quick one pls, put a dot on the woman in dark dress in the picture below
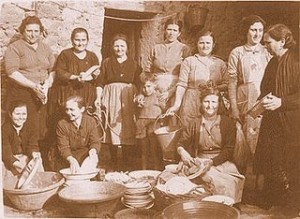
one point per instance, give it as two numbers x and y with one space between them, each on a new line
278 149
19 139
74 69
116 88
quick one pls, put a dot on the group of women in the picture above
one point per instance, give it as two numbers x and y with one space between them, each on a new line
189 85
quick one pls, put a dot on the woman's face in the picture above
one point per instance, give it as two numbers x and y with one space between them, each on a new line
205 45
172 33
73 111
274 47
80 41
120 48
32 33
210 105
19 116
255 33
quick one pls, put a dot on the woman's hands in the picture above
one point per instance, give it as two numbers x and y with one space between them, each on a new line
272 102
74 165
185 156
207 165
172 110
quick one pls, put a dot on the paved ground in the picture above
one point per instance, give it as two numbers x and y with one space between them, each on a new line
56 208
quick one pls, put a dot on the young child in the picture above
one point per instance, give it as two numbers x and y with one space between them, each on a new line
148 110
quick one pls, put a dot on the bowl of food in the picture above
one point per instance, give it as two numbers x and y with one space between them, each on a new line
42 187
117 177
81 176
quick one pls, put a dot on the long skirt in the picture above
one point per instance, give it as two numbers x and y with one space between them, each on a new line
120 113
190 106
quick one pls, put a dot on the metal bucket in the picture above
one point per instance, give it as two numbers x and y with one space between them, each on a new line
167 137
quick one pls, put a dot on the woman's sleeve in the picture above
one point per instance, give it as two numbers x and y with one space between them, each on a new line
95 60
7 153
101 80
51 59
63 142
62 67
223 86
12 60
228 133
292 101
33 138
94 138
187 138
185 70
233 78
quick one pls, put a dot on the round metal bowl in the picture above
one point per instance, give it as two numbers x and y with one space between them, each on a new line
135 213
42 186
92 192
78 176
200 210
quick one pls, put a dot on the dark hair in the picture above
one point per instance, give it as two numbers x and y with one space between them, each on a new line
279 32
208 89
144 77
78 99
79 30
248 21
11 107
207 33
174 21
120 36
30 20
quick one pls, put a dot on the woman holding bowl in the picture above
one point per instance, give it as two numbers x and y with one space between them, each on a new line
76 70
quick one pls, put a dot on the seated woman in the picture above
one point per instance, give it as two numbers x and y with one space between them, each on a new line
211 138
77 136
19 140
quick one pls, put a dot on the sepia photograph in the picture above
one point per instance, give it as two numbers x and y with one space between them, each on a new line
140 109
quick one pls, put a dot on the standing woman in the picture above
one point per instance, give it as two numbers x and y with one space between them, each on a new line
278 149
72 68
246 65
116 88
28 64
165 60
195 71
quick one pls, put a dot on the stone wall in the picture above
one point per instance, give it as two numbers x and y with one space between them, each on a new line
223 19
61 17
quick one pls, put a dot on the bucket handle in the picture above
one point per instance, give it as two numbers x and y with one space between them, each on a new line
163 116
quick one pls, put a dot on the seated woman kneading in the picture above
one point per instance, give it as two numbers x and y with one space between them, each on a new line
212 138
